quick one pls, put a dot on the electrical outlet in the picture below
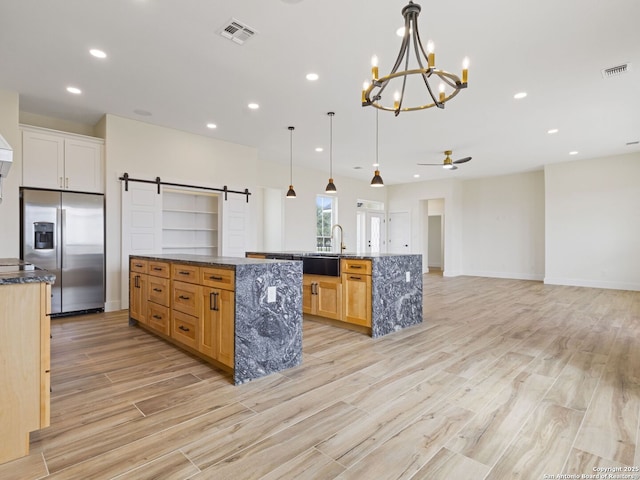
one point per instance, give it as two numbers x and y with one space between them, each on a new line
271 294
408 276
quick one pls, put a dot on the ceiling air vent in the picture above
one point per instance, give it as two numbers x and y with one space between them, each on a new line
237 31
615 71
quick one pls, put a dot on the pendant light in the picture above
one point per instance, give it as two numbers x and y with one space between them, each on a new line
291 193
376 181
331 188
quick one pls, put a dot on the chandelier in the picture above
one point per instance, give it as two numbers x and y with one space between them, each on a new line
449 86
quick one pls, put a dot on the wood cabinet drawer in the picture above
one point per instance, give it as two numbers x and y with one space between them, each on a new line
184 328
186 298
158 317
138 266
218 278
159 290
159 269
185 273
352 265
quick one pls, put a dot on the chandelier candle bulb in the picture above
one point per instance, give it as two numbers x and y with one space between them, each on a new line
431 54
465 69
374 67
365 86
396 100
442 92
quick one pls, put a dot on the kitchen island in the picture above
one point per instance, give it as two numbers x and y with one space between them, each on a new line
376 294
25 305
243 315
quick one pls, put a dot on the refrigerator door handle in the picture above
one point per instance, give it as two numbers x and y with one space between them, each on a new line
60 220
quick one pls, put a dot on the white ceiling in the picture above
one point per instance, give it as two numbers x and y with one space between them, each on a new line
166 57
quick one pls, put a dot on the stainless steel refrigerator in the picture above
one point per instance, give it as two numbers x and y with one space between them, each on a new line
63 232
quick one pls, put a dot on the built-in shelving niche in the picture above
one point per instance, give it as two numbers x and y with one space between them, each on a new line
190 222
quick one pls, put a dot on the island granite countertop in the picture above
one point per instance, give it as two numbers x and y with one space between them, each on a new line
15 271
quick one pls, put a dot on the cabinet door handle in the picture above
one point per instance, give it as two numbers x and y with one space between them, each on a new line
60 183
157 317
213 277
314 288
136 281
184 273
157 290
182 297
183 328
213 301
355 278
66 182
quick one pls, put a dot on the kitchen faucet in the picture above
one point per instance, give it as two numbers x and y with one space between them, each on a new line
342 245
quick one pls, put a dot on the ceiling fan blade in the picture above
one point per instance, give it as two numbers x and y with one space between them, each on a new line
431 164
453 167
462 160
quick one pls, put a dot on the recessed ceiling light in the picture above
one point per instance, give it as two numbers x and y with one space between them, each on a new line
520 95
574 152
357 168
552 131
97 53
417 175
375 164
312 77
211 125
142 113
636 142
253 106
319 149
74 90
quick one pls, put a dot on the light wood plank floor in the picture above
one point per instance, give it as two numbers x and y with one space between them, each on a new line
504 379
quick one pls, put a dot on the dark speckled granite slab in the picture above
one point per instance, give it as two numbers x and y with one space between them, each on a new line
15 271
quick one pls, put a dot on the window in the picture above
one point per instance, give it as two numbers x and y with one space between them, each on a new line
326 216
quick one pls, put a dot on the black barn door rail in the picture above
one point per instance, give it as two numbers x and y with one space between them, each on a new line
126 178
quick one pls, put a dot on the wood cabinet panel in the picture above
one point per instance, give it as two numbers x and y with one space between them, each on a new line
186 298
159 269
217 327
158 317
322 295
218 278
158 290
138 266
355 265
185 273
184 328
138 296
357 299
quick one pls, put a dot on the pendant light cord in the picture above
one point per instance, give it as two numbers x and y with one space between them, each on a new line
331 114
377 161
291 155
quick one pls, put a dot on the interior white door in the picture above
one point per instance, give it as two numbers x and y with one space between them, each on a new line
375 232
141 227
235 225
399 228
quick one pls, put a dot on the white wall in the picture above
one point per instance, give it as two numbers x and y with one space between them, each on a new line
10 206
409 197
503 226
593 223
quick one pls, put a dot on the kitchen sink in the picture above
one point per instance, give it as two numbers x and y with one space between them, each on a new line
321 265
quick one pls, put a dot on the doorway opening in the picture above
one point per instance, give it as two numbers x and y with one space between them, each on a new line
370 227
432 219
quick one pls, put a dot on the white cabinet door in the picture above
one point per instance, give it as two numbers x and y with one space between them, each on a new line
82 165
59 161
42 160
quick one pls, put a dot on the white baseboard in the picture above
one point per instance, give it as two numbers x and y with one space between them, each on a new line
577 282
512 275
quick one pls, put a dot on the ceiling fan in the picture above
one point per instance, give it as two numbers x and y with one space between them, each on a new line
447 162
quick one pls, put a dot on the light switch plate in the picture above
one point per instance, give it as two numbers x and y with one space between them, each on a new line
271 294
408 276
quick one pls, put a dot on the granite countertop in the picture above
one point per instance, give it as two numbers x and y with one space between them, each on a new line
224 262
297 255
14 270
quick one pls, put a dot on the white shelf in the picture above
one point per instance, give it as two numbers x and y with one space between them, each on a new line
190 221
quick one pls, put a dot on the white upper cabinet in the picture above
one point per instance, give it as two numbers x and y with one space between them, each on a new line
61 161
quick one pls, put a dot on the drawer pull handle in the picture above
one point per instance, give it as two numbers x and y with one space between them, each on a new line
139 265
355 278
157 290
182 297
184 273
355 266
159 269
157 317
183 328
213 277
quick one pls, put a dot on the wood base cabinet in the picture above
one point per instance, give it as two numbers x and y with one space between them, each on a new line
25 376
356 288
217 325
322 296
